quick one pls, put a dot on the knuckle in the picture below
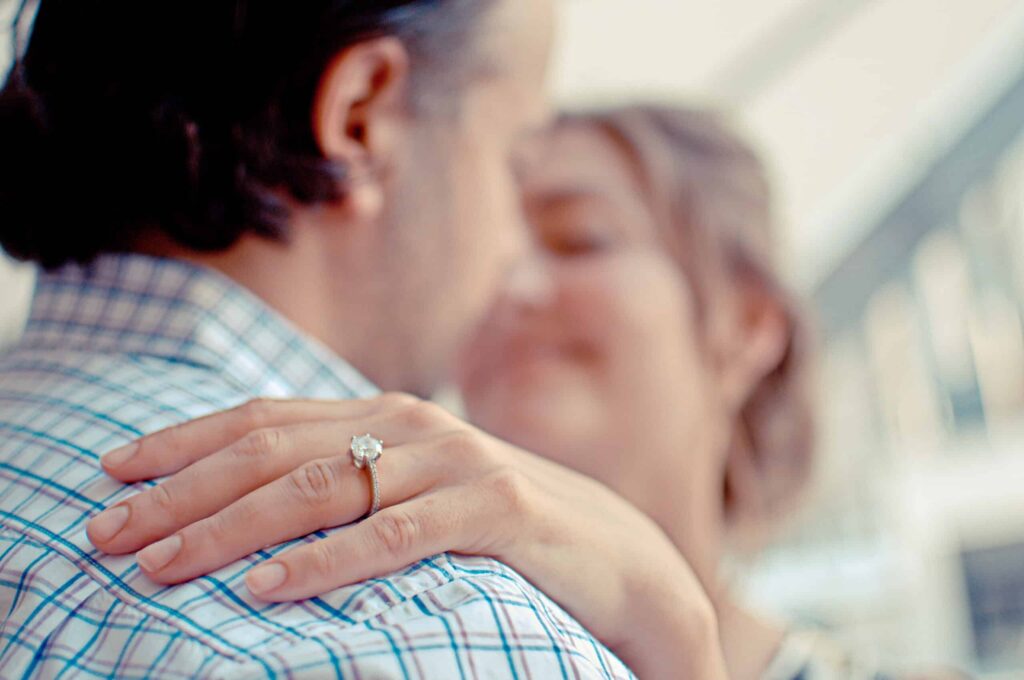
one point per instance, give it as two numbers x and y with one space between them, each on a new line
512 489
165 502
316 482
464 446
174 437
256 413
260 443
216 528
397 400
421 415
322 560
394 532
424 415
434 412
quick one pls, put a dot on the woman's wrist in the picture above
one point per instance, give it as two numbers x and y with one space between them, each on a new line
685 646
672 634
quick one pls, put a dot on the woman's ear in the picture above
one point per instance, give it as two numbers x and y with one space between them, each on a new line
359 117
758 340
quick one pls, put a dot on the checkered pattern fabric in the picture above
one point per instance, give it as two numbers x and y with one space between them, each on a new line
130 345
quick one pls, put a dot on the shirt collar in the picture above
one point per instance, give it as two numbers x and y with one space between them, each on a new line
167 308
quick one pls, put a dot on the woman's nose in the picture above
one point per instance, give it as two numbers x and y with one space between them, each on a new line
530 284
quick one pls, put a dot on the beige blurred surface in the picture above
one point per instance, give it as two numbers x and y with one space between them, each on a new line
838 93
852 102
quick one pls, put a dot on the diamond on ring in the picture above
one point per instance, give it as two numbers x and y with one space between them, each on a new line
366 449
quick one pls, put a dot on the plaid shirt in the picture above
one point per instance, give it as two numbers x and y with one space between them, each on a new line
133 344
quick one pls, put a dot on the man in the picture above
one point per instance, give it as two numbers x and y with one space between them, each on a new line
255 189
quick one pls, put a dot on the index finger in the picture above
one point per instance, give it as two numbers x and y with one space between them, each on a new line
172 449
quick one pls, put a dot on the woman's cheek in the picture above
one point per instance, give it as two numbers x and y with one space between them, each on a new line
648 373
627 298
636 313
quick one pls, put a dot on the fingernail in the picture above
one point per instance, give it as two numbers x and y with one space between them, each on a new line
109 523
265 578
120 456
159 555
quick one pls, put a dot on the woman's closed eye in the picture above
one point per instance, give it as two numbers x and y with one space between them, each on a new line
576 223
579 241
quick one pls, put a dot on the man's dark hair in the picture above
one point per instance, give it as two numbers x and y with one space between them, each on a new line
188 119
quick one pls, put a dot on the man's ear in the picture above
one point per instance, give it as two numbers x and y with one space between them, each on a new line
761 334
358 117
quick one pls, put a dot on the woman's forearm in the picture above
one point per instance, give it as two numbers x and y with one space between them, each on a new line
670 636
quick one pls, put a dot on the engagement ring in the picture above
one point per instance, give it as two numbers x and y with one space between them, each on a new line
366 451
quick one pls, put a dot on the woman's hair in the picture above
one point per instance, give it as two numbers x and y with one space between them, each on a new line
190 119
709 192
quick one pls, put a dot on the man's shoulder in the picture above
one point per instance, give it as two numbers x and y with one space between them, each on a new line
449 616
116 393
446 617
60 411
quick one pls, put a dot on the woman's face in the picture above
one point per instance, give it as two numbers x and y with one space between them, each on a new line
597 362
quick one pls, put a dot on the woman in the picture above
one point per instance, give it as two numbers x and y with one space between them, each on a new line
665 310
653 352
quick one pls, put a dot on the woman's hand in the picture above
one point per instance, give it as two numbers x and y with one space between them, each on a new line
272 471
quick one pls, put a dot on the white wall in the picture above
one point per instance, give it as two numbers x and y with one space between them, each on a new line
840 122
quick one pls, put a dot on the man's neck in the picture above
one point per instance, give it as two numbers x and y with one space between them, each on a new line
303 281
289 278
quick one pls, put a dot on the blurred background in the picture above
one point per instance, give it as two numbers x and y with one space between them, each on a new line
895 132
